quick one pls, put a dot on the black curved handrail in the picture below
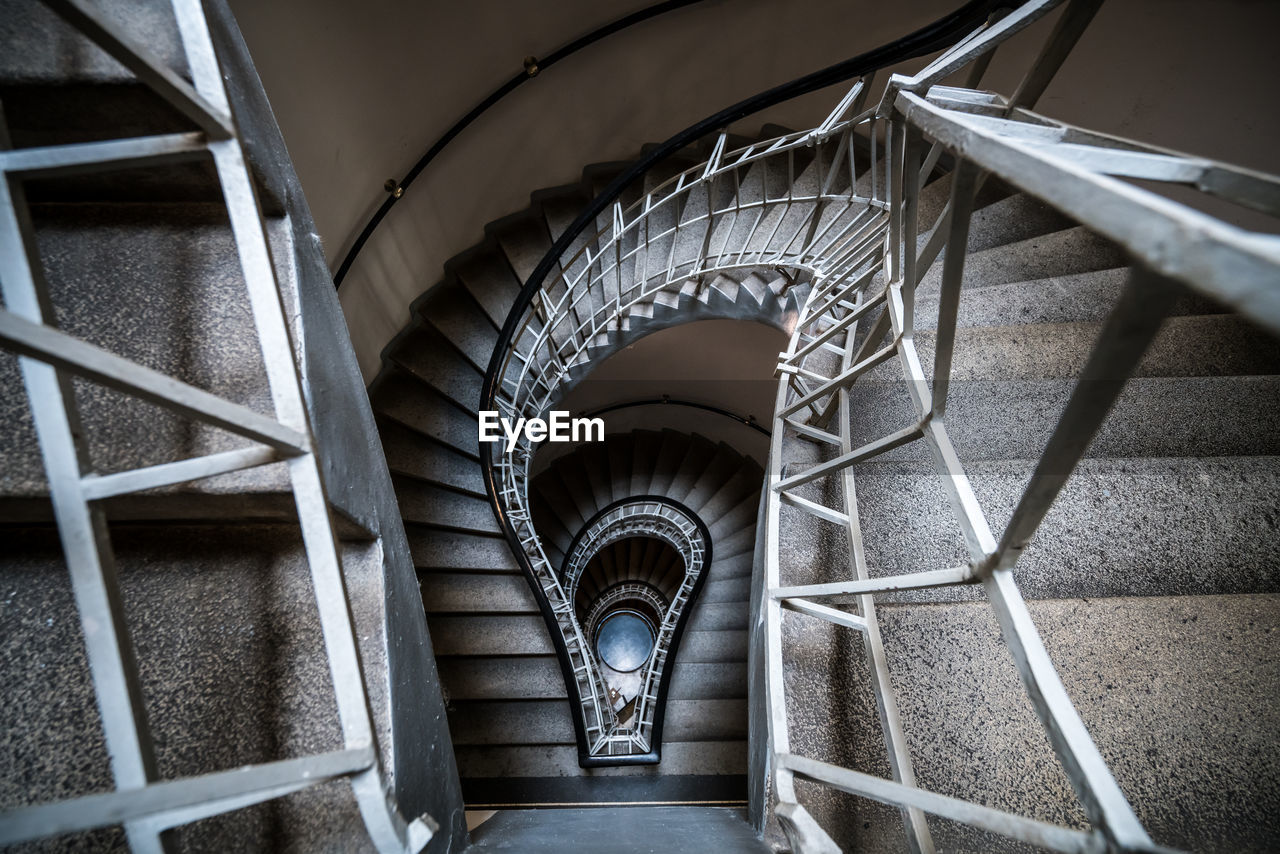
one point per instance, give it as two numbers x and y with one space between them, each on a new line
936 36
941 33
479 109
745 420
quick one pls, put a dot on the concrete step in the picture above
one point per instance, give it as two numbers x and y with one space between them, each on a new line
492 283
455 314
1087 296
728 504
533 677
708 680
725 589
411 454
548 760
160 285
1147 526
428 355
718 616
718 471
680 830
524 240
435 549
402 397
425 504
1181 682
573 476
1190 346
538 677
700 647
1059 253
620 454
648 444
1153 417
674 447
1013 219
549 722
490 635
698 452
731 567
446 592
742 515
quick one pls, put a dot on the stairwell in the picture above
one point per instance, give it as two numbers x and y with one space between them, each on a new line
1152 581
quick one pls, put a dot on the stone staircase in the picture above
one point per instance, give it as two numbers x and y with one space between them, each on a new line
1153 580
508 711
508 708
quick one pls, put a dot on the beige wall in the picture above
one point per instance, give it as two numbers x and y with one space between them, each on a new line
361 89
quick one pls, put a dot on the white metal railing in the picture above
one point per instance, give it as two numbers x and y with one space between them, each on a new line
146 805
698 223
627 591
865 250
645 517
1172 247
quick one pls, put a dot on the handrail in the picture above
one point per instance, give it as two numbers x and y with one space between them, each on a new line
744 420
941 34
532 69
925 40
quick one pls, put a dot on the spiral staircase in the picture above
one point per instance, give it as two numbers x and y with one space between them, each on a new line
835 636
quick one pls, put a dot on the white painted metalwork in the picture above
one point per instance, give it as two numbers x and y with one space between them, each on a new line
644 517
865 252
667 243
1078 173
146 805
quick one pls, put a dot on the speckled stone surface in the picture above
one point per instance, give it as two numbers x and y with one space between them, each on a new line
1146 526
160 285
1077 297
232 665
1072 250
1186 346
1153 579
1176 692
1153 417
41 47
400 396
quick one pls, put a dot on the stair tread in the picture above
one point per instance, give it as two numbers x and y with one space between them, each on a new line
1152 417
680 830
549 760
435 549
543 721
1144 526
1195 345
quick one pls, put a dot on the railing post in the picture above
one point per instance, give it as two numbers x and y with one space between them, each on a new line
894 132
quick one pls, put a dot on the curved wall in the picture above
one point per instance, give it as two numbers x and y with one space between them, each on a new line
360 90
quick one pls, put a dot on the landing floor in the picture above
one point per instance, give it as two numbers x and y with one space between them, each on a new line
618 830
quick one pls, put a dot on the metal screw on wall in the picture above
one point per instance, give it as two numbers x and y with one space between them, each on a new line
531 66
392 186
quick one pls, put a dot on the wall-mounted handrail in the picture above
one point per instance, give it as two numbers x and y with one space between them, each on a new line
745 420
530 71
